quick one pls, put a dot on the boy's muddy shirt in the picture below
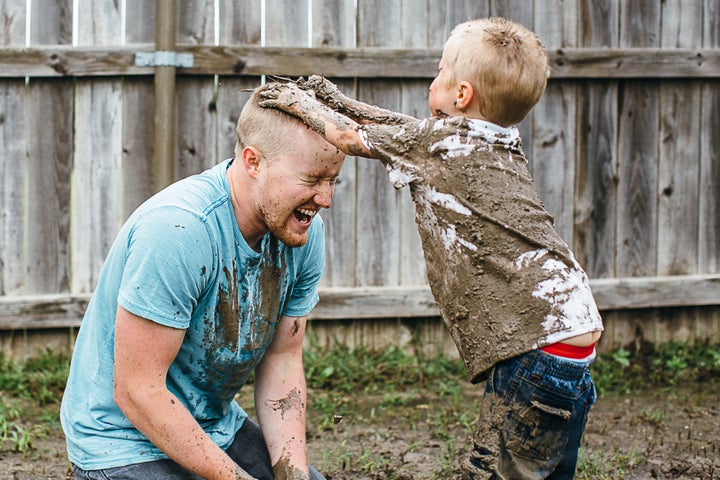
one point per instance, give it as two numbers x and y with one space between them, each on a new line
503 279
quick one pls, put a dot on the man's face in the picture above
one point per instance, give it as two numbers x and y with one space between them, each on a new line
295 185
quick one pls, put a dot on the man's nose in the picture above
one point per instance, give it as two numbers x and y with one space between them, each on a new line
324 193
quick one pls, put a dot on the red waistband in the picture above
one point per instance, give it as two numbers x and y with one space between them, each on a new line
568 351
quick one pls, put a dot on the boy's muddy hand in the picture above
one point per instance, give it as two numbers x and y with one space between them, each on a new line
288 97
323 88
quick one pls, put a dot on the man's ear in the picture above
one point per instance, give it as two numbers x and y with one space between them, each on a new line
465 95
250 157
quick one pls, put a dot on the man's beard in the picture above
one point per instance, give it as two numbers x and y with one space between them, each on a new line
278 226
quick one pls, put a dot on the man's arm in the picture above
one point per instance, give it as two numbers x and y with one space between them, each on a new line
280 400
144 351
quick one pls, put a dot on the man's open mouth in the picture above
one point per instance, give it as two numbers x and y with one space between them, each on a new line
304 215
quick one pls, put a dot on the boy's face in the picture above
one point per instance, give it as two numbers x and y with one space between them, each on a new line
443 95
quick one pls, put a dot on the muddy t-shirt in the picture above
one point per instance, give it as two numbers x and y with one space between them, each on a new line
503 279
181 261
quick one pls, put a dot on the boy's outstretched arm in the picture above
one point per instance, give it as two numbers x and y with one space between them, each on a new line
335 127
361 112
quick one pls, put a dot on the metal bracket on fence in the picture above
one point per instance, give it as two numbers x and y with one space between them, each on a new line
164 58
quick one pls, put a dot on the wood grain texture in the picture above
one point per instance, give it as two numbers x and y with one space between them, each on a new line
709 203
596 176
638 136
624 145
63 310
679 153
365 62
49 168
14 132
551 150
138 98
97 151
196 142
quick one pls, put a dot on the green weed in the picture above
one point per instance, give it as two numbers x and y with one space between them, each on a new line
30 391
41 379
603 466
660 366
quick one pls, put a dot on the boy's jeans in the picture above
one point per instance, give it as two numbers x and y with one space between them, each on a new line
532 419
247 450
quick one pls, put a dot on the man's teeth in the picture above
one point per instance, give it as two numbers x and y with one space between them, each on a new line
309 213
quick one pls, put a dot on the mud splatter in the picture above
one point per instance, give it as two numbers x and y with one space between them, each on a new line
293 401
269 288
229 308
284 471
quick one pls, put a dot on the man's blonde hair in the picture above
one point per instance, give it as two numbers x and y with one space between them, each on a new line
270 130
505 62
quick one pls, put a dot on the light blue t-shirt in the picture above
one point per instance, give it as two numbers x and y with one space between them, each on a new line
181 261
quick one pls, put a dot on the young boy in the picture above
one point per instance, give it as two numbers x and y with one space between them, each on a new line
509 289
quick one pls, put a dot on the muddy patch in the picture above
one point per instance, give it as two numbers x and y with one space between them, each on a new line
653 434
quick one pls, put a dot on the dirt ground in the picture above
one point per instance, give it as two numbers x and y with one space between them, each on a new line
652 435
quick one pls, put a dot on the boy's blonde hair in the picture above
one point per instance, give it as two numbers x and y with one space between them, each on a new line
270 130
505 62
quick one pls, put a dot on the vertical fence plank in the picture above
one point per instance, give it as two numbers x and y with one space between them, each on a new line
138 106
239 25
334 26
595 194
49 161
14 128
458 11
286 23
197 132
679 147
240 22
679 164
552 152
709 221
636 242
377 244
97 155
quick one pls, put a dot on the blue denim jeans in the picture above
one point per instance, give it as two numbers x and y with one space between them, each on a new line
247 450
532 419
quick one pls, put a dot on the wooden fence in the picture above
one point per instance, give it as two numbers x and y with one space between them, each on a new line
624 146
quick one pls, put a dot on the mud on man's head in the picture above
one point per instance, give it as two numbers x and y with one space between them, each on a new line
269 129
506 64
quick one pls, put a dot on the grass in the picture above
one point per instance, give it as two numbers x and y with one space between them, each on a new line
664 366
394 387
30 393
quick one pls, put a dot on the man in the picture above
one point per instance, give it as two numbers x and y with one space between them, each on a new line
209 280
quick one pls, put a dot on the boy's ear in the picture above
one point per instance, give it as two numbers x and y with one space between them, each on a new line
250 157
465 95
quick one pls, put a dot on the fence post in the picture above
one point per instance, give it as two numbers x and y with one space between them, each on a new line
164 136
